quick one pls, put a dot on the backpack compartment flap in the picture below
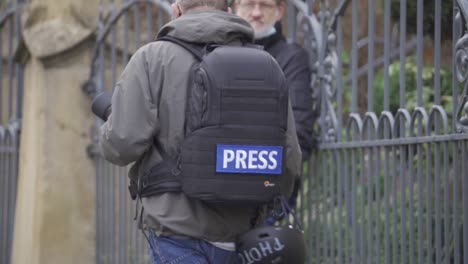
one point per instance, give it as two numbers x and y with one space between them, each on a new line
234 154
244 85
202 164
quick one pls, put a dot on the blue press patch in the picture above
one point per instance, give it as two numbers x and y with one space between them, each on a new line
249 159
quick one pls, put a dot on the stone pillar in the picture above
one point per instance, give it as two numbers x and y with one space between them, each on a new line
55 211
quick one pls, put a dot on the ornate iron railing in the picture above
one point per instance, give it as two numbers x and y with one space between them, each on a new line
387 184
121 30
11 96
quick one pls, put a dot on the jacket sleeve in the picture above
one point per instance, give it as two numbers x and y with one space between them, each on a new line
297 75
133 122
293 155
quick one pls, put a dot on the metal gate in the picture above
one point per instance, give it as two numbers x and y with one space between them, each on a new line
388 183
124 26
11 95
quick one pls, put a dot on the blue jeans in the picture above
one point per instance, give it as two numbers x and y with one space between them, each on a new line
170 250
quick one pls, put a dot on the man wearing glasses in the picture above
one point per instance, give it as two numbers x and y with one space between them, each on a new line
264 16
293 59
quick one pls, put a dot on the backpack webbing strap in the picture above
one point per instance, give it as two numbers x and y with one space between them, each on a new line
161 178
196 50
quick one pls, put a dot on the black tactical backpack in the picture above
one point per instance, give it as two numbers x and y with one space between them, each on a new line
236 122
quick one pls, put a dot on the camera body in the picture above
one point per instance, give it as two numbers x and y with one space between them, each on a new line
101 105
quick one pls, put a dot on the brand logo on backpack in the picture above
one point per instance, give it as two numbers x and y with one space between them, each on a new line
249 159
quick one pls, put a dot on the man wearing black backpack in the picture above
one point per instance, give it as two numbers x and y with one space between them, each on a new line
151 125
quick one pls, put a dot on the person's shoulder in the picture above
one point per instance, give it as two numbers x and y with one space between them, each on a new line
143 50
153 46
295 47
157 48
290 49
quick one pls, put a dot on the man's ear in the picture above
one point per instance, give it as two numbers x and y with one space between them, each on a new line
176 11
281 10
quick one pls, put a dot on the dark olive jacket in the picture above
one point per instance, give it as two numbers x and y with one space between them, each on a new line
149 103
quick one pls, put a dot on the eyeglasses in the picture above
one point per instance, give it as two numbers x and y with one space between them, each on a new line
250 5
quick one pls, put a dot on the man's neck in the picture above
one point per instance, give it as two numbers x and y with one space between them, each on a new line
268 42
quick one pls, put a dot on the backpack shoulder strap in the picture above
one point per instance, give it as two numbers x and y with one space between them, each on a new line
195 49
253 46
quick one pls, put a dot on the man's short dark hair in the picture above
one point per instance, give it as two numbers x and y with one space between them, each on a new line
186 5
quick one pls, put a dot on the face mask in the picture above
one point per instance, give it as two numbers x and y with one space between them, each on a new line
265 33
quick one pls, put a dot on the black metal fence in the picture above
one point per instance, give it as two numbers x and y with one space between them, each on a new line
11 94
389 182
123 27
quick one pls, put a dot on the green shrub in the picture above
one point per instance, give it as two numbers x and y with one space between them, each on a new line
411 93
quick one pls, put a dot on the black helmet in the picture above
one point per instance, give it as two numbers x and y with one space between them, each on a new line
272 245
